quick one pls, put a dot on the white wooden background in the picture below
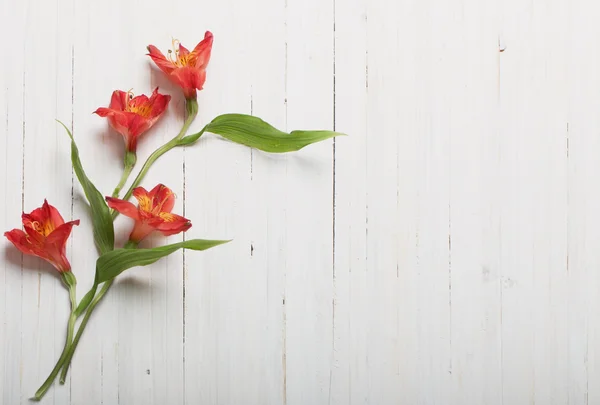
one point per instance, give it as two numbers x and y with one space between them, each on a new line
446 252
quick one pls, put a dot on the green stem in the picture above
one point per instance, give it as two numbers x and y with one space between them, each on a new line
71 283
191 107
129 161
129 245
88 313
85 301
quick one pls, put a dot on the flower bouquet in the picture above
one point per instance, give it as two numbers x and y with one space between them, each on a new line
45 232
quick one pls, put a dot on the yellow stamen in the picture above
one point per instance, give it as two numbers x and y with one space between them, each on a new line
167 216
174 57
143 110
45 229
168 194
145 203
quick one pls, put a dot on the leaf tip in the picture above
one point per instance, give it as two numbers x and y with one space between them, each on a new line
65 127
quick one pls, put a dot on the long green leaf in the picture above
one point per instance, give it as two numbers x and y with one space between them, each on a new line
113 263
256 133
104 233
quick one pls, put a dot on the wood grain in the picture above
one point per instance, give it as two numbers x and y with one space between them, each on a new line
445 252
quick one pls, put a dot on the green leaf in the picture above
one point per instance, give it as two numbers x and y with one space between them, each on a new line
188 140
104 233
111 264
256 133
85 301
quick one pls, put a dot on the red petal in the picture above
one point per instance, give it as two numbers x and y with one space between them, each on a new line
137 126
202 51
183 51
164 197
118 100
59 236
35 238
37 215
140 192
19 238
118 120
140 231
159 188
159 103
56 255
64 263
157 56
171 224
103 111
189 78
53 214
189 93
140 100
56 245
124 207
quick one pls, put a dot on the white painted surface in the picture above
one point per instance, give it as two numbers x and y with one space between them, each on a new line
446 252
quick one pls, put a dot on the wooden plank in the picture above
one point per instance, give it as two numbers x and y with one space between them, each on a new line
533 118
217 173
471 94
309 206
12 27
445 252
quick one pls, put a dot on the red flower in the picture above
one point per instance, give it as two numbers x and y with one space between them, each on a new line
45 236
152 213
184 68
132 116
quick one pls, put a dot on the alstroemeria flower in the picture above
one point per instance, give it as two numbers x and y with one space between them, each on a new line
184 68
132 116
152 213
45 236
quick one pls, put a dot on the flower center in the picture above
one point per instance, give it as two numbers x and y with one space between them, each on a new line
45 228
160 204
167 216
153 206
174 55
145 203
140 109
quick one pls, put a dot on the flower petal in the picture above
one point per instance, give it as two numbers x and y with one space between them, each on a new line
157 56
159 103
137 126
118 120
37 215
138 101
144 199
19 238
53 214
183 51
163 197
124 207
118 100
60 235
202 51
171 224
22 242
103 111
35 237
140 231
189 78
